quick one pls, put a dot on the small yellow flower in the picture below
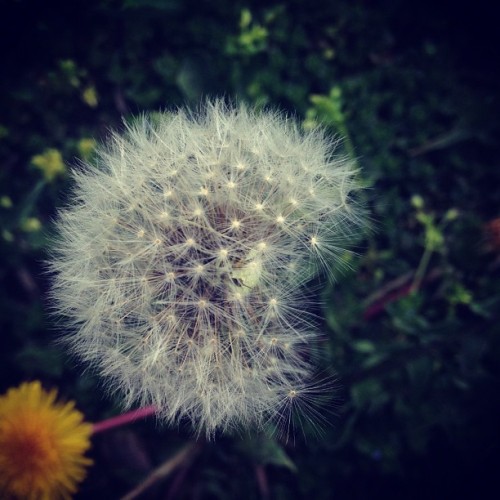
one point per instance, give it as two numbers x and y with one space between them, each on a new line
86 147
89 95
5 202
42 443
31 225
50 163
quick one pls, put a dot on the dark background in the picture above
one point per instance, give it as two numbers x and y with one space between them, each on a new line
411 330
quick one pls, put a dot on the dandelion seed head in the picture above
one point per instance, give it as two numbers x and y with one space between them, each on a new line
182 256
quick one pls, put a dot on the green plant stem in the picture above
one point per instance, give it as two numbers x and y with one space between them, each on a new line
422 268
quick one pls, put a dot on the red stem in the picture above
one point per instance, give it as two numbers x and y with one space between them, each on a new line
379 306
123 419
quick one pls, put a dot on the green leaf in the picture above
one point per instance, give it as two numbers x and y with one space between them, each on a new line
368 394
267 451
364 346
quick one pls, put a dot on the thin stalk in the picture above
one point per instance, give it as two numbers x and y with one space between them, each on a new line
125 418
183 456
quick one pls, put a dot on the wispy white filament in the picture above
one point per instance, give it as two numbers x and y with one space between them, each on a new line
182 257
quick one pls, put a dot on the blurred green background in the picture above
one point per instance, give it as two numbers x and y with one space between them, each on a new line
411 329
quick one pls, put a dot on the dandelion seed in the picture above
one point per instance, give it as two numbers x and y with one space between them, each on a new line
235 224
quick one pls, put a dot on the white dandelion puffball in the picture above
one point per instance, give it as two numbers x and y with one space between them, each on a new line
182 258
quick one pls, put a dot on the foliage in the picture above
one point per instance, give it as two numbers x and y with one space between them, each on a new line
411 330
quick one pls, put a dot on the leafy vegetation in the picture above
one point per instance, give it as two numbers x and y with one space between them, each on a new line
411 329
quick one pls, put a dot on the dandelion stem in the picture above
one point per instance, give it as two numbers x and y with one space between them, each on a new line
125 418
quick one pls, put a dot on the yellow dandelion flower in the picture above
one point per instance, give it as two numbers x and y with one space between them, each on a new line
42 443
